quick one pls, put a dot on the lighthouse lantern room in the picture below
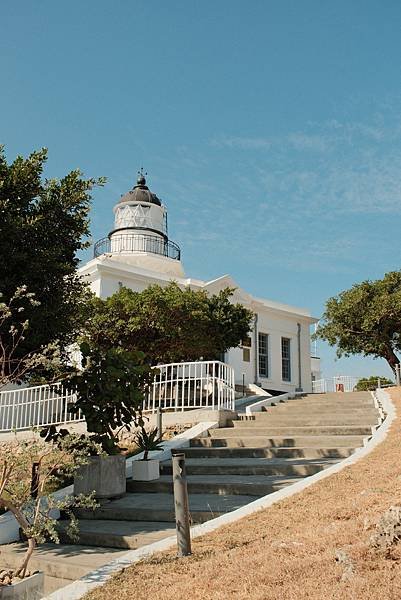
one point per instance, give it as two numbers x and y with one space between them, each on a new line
140 234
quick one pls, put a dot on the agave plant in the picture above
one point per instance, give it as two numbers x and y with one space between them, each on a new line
148 441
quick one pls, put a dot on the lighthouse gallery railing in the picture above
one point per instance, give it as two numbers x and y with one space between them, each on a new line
134 243
176 387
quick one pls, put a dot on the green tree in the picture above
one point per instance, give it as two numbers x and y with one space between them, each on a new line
110 390
370 383
169 324
366 319
43 224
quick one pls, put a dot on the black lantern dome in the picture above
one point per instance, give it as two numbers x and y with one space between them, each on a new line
141 192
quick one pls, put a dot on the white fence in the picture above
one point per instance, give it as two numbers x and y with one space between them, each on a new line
35 406
206 384
177 386
342 383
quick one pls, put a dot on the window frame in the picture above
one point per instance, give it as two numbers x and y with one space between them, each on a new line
246 342
286 369
265 355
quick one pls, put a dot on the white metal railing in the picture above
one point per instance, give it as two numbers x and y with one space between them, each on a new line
36 406
203 384
177 386
341 383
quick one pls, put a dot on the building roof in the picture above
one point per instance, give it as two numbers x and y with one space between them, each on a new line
140 193
105 262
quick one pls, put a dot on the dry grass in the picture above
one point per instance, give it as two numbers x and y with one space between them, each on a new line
288 551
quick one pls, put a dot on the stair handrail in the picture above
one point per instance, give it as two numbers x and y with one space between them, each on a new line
178 386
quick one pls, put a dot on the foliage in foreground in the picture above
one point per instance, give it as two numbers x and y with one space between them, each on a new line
110 390
366 319
171 324
43 224
28 499
13 333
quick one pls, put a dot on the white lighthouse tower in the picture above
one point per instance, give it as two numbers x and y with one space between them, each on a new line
140 234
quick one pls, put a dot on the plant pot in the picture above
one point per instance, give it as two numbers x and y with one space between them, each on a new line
104 475
145 470
30 588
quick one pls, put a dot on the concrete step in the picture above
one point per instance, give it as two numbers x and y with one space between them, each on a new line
118 534
339 399
265 417
339 395
297 467
319 410
257 452
250 439
160 507
260 419
244 485
332 403
305 420
336 395
287 421
319 430
272 429
61 564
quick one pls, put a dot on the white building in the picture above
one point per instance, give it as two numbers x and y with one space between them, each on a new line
138 253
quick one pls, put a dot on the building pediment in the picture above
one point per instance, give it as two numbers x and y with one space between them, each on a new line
216 285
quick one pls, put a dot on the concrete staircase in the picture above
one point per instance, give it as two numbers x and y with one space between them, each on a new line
231 467
234 465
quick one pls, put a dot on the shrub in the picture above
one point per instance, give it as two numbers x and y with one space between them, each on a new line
370 383
27 471
110 391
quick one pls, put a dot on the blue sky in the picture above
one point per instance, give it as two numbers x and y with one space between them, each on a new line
272 130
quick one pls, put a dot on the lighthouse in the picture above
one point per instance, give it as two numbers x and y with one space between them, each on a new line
138 253
140 234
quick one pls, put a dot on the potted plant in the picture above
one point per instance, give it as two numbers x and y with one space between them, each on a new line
146 469
28 472
109 392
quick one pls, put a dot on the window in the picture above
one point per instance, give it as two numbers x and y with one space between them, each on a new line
246 355
247 342
286 359
263 340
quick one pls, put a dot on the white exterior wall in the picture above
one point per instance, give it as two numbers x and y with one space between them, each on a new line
111 284
234 358
275 327
315 367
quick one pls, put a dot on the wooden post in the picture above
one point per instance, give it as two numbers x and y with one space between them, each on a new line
181 505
